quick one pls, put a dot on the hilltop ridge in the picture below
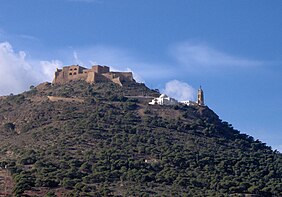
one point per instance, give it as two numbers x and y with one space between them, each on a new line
84 139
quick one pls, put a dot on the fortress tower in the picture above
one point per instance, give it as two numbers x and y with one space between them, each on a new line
200 100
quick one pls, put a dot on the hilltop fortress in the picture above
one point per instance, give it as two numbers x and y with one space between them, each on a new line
103 74
94 75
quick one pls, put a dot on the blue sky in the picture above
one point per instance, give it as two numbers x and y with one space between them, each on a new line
232 48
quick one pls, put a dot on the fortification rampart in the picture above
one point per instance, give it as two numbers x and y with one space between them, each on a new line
94 75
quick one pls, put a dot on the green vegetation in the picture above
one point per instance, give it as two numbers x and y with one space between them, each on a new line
115 144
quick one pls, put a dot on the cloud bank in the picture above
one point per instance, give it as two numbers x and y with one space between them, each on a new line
17 73
179 90
47 69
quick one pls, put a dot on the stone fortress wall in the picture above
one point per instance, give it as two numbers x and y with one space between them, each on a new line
94 75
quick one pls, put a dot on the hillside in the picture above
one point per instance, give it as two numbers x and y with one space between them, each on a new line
79 139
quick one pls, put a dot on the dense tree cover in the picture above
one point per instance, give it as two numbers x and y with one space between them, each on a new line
115 144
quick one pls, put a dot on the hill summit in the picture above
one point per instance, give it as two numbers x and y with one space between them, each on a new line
103 139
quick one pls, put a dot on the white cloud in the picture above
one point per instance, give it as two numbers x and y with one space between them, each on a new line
104 55
14 70
179 90
1 32
48 68
199 57
17 74
76 59
28 37
136 76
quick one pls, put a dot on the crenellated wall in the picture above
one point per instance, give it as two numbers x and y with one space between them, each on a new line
94 75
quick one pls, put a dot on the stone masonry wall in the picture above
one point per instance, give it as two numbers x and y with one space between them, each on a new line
94 75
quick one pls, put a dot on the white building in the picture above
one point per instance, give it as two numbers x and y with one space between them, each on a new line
189 103
163 100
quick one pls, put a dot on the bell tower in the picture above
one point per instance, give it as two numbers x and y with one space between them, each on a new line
200 100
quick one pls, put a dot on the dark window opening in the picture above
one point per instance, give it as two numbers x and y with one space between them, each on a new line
70 74
75 68
74 73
